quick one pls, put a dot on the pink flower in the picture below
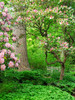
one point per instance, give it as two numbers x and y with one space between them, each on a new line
61 22
58 37
9 16
6 34
14 39
6 39
9 52
6 10
9 23
2 3
1 54
7 29
48 38
12 55
67 23
4 50
15 58
1 33
8 45
4 14
2 22
27 11
16 65
51 17
1 60
35 10
3 67
51 49
12 48
18 61
11 64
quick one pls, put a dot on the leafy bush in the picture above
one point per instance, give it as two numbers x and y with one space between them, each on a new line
35 92
39 77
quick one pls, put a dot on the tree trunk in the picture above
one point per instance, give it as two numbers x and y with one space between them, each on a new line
62 71
22 48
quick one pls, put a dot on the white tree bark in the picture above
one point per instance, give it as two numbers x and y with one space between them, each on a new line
22 48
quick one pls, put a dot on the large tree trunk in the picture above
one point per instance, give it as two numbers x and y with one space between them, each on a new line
62 71
22 48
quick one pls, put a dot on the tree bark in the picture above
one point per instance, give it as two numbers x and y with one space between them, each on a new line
22 48
62 71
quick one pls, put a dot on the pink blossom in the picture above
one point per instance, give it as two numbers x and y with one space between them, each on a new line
51 17
11 64
67 23
9 16
14 39
1 60
4 50
9 52
51 49
71 47
3 67
2 28
35 10
61 22
6 39
12 55
18 61
27 11
16 65
48 38
4 14
6 34
9 23
1 3
7 29
8 45
12 48
1 33
1 54
6 10
15 58
60 11
2 22
58 37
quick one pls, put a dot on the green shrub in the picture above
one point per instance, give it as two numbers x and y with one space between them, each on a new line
36 92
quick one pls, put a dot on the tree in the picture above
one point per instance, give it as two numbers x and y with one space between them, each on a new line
43 19
20 31
62 45
39 18
21 47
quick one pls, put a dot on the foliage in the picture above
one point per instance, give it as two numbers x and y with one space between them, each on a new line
7 56
33 92
38 77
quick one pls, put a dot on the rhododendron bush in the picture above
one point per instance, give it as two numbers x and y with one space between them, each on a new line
8 58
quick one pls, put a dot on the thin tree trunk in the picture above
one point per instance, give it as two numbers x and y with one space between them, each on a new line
62 71
22 48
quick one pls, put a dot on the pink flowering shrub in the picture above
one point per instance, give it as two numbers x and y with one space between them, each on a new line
8 58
